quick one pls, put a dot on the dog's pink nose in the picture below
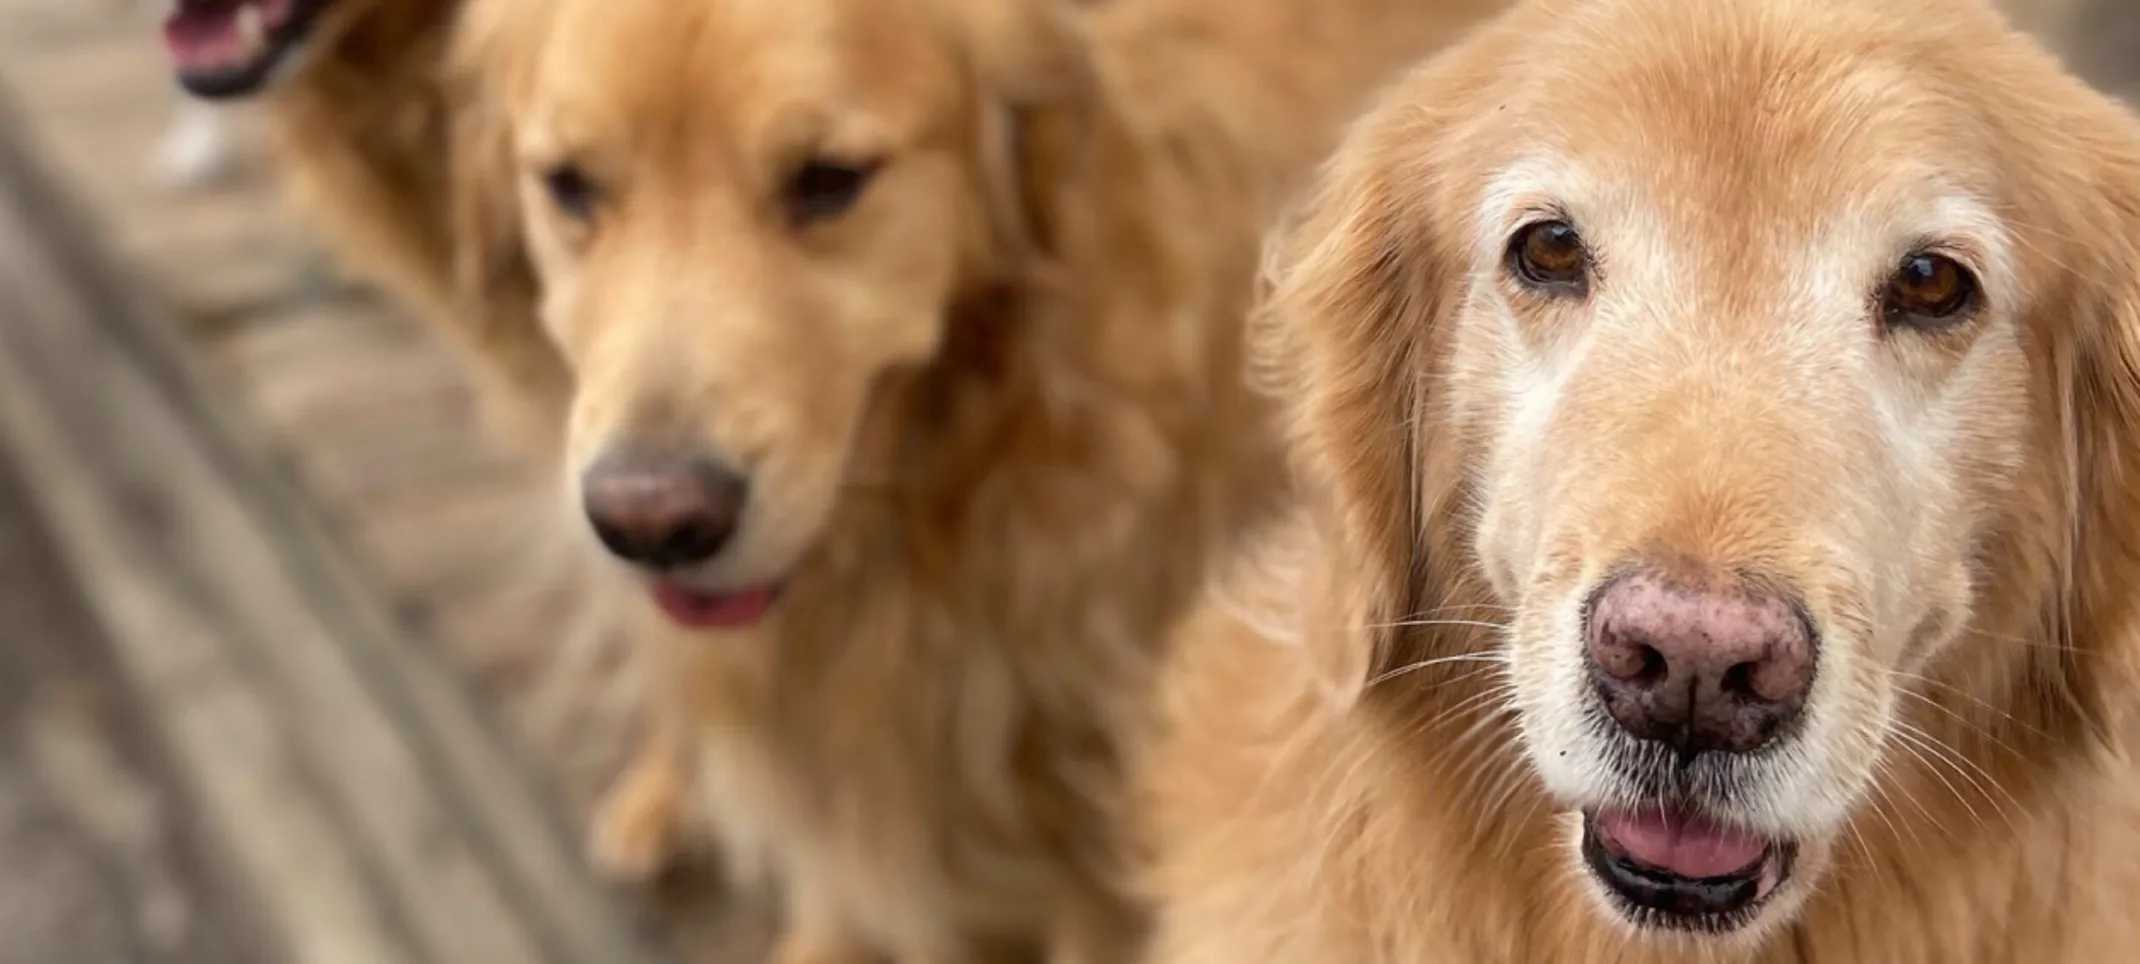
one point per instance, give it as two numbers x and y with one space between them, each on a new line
1699 669
662 512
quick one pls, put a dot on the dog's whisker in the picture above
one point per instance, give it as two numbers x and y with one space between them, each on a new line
1489 704
1931 765
1486 735
1494 659
1924 814
1530 813
1459 607
1882 802
1485 750
1963 767
1961 720
1512 778
1488 775
1855 836
1435 623
1470 677
1973 699
1493 708
2007 639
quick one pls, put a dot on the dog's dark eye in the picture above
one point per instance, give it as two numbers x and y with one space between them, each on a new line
1550 257
571 190
1928 292
824 189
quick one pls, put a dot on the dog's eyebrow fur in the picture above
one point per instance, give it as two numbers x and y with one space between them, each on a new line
1973 232
1862 245
1520 189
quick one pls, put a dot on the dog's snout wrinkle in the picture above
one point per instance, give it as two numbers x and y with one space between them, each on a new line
1700 669
663 511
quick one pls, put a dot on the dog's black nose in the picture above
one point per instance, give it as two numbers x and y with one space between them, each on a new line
1699 668
662 511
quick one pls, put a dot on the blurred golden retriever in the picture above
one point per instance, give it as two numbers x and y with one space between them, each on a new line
907 343
1720 425
358 123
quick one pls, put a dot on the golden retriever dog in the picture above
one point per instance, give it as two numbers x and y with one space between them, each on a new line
907 343
358 122
1719 522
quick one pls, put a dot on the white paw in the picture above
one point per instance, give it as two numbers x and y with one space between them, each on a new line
637 828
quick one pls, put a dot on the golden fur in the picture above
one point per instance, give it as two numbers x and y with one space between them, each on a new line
1374 746
992 415
359 133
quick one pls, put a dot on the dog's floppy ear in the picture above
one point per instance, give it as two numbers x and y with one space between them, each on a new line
1039 101
2096 616
1363 278
497 290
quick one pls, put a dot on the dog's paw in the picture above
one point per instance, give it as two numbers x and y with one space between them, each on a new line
637 830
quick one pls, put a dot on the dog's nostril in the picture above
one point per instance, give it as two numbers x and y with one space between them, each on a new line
1653 667
696 540
612 538
1739 680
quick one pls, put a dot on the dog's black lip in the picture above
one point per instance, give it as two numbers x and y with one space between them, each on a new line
238 82
229 84
1658 898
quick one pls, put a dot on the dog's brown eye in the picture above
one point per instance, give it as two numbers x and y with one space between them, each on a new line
1550 256
826 189
570 189
1929 291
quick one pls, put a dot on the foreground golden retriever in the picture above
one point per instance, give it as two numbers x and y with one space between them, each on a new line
1723 529
358 121
907 343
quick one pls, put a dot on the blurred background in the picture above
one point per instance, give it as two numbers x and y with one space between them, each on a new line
287 644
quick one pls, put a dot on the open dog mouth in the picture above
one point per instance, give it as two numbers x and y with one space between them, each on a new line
705 609
1678 870
230 48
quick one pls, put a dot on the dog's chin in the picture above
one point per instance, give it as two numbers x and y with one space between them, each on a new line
1677 871
229 49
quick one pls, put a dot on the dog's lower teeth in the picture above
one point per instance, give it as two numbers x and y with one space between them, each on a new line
252 30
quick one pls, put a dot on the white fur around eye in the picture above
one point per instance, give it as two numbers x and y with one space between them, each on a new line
1514 196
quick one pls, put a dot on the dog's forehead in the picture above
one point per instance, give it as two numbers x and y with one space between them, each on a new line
1744 142
639 64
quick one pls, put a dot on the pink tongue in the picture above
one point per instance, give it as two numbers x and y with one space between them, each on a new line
197 37
710 610
1681 844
